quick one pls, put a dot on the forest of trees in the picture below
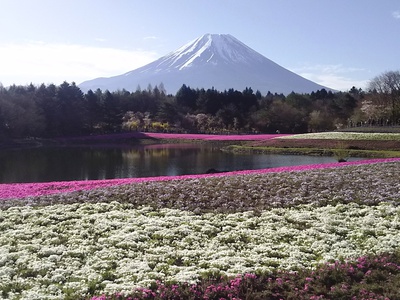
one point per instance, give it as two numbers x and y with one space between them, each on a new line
48 111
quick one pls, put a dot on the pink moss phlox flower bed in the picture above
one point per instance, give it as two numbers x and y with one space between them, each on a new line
337 280
22 190
177 136
215 137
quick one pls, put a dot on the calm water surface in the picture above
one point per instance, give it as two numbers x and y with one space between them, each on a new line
84 163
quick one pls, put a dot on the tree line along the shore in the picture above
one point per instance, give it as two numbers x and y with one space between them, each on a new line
48 111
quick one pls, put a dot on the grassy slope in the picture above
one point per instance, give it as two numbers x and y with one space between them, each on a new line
330 144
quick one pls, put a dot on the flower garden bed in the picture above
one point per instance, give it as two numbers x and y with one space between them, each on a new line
135 136
24 190
331 140
347 144
312 232
329 144
351 136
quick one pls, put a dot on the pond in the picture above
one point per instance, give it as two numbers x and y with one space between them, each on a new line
86 163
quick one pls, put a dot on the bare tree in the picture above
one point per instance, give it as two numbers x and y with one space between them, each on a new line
385 91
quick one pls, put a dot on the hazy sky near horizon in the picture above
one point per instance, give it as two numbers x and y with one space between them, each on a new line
336 43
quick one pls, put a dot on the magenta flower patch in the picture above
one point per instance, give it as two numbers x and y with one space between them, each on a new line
215 137
22 190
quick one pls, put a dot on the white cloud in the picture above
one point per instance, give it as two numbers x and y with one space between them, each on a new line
396 14
333 76
39 62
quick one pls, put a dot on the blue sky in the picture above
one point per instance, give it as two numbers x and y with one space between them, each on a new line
337 43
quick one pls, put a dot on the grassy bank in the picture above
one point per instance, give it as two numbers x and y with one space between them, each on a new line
340 144
313 151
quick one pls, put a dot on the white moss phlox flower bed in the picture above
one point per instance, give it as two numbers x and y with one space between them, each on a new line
114 238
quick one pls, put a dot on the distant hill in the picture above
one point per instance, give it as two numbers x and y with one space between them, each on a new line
212 60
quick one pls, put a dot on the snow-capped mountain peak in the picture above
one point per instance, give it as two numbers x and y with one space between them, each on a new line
212 60
209 48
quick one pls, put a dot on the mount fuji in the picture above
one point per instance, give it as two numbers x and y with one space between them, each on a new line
212 60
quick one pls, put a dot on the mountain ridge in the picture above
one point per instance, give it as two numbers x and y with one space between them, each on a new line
217 61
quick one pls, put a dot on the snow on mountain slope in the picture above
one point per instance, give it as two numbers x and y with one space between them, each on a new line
212 60
212 49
